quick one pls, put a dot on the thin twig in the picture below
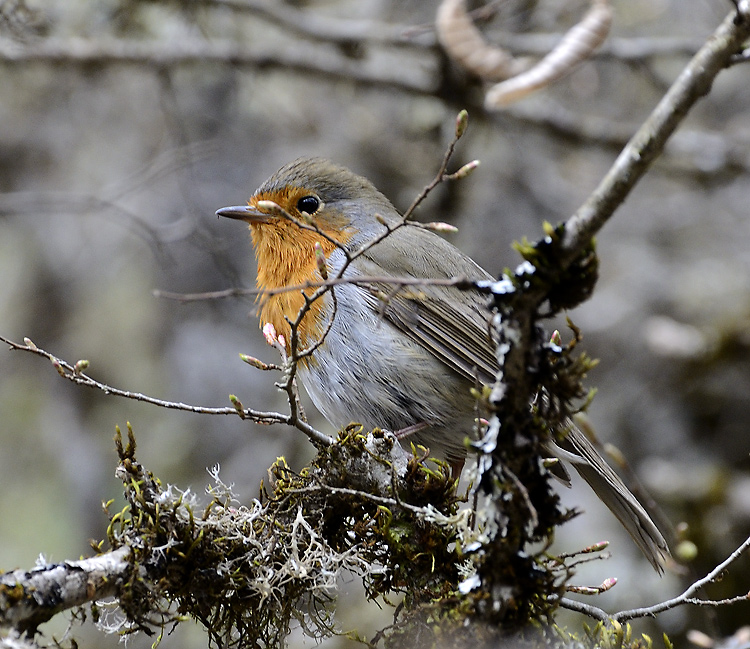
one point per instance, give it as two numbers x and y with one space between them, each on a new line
458 281
69 372
687 596
209 295
587 609
440 176
312 347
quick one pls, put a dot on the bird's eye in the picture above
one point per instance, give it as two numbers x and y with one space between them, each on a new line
308 204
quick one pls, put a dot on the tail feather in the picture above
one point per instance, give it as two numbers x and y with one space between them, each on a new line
611 490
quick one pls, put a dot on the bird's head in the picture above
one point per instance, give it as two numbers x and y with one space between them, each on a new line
329 207
319 194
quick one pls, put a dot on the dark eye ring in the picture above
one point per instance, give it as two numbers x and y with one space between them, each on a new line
308 204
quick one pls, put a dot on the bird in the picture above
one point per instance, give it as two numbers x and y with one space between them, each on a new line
399 357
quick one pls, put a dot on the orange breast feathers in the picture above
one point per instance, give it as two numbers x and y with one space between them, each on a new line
286 257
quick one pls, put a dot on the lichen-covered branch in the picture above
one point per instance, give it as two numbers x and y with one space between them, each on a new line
30 597
558 271
560 265
247 572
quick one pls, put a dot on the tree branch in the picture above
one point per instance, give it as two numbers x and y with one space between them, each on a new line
302 58
30 597
648 143
75 374
687 597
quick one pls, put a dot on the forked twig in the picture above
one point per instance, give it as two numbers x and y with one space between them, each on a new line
459 281
687 596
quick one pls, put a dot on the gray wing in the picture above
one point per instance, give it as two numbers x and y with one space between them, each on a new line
450 322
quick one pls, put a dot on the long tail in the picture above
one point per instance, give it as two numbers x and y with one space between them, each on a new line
594 469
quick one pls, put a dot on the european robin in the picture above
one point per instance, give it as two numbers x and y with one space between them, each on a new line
404 363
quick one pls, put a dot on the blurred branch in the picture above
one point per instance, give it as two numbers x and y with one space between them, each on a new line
74 203
82 51
578 45
20 20
344 31
420 78
319 26
303 57
709 155
465 44
629 50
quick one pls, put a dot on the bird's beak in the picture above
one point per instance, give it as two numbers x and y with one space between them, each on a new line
243 213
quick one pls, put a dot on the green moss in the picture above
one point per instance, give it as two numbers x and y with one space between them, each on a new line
562 289
247 573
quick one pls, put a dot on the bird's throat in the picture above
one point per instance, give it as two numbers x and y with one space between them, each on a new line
286 259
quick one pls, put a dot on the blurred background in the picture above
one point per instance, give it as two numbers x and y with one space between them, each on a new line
124 125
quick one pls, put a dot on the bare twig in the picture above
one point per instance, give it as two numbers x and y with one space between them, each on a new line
74 374
362 280
441 176
687 597
212 295
587 609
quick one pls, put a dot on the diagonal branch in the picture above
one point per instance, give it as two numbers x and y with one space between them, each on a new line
571 241
647 144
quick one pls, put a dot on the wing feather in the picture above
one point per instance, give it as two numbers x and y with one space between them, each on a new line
451 322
